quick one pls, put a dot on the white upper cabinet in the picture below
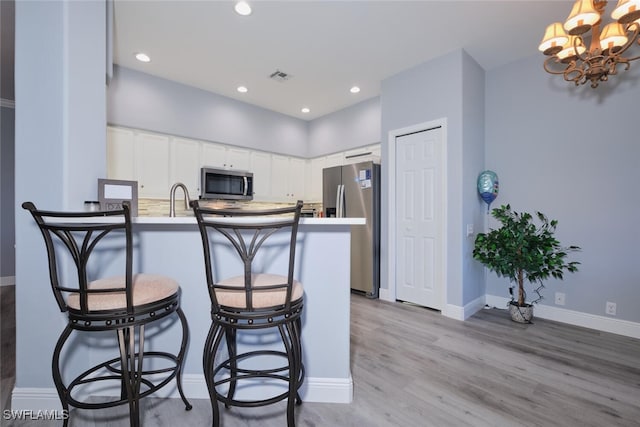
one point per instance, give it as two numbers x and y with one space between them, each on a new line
152 165
297 168
213 155
184 158
363 154
157 161
120 155
315 182
260 165
287 178
225 157
238 158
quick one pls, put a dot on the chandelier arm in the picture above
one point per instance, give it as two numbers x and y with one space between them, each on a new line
575 49
548 69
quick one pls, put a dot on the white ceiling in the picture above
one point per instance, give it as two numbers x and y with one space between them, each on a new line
327 46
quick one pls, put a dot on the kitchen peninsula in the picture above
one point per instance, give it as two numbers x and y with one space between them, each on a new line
172 246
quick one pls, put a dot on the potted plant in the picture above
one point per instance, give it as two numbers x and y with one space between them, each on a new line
523 250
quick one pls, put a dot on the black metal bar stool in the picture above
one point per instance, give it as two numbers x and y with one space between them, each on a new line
252 301
124 304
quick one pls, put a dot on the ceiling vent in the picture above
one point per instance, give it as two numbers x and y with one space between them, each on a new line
280 76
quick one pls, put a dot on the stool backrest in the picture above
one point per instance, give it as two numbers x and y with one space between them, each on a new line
80 233
247 231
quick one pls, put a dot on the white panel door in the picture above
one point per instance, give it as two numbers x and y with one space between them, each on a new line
419 222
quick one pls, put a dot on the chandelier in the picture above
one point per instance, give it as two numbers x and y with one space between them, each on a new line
568 53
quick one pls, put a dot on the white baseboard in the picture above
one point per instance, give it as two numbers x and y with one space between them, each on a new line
576 318
36 399
385 295
7 280
324 390
463 313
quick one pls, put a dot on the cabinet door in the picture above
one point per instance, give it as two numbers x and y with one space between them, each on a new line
152 165
315 190
261 168
185 164
364 154
296 178
335 160
279 178
120 154
213 155
238 159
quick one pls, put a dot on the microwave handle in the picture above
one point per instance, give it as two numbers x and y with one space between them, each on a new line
246 185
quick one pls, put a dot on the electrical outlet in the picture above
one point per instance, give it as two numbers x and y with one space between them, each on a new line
560 298
610 308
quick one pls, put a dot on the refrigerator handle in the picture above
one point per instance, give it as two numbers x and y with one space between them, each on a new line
340 213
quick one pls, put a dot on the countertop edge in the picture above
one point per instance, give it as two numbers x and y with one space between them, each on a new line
186 220
303 221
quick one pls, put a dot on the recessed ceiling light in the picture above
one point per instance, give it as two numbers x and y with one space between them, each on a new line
354 89
143 57
242 89
305 110
242 8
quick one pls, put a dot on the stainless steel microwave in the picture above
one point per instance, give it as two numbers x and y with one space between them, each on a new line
226 184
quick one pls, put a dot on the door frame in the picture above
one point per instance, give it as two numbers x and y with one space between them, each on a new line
390 294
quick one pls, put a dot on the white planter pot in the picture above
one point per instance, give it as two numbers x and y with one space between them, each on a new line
521 314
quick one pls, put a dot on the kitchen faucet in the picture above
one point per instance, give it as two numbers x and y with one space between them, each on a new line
172 198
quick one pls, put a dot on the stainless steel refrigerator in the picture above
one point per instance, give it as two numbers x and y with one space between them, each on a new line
354 191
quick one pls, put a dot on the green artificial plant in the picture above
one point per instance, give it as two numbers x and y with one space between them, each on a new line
520 249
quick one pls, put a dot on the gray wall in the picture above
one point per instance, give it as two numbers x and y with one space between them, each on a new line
142 101
350 127
60 132
473 131
572 153
7 201
433 90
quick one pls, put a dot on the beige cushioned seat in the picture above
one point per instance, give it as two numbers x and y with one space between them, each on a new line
147 288
260 298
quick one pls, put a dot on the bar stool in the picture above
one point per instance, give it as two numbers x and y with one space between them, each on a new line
252 301
124 304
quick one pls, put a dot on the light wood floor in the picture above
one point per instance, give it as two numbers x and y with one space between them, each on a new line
412 367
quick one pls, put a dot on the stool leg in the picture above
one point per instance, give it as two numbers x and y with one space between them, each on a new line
214 337
230 334
288 339
132 369
180 361
57 377
297 328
